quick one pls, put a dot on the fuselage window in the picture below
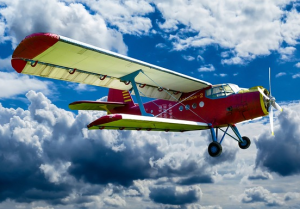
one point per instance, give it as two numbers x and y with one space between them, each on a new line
181 108
194 106
187 107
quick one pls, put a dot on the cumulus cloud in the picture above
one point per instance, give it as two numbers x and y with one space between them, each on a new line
286 142
198 179
260 176
20 84
291 196
127 16
260 194
207 68
286 53
47 154
247 28
176 195
67 19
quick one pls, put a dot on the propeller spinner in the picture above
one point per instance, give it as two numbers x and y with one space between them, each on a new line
272 102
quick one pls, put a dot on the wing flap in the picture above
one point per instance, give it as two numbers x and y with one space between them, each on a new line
136 122
91 105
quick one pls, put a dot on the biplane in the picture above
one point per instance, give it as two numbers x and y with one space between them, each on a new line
181 103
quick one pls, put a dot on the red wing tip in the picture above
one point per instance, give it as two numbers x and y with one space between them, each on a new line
105 119
18 64
35 44
50 35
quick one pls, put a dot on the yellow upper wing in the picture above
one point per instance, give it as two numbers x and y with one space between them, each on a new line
58 57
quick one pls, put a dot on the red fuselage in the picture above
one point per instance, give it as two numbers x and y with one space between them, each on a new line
198 106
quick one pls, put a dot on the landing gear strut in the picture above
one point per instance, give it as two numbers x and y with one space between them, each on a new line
215 148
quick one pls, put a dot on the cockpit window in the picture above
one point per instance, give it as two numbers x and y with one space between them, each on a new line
219 91
228 90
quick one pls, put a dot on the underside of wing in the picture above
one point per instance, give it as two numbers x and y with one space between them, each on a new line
53 56
92 105
144 123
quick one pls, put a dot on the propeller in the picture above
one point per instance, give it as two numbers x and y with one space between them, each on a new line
272 102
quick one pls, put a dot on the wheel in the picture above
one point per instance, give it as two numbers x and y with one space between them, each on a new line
214 149
245 144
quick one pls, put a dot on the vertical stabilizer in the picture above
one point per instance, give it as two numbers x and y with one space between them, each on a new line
115 95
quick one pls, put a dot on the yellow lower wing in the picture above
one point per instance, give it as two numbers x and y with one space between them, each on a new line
144 123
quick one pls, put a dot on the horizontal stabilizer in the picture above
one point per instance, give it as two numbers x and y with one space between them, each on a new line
144 123
91 105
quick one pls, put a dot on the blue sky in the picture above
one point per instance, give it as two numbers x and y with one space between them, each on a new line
50 160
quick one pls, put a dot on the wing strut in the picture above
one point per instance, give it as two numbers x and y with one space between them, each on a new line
130 77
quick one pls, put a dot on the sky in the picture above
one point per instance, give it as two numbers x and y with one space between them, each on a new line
50 160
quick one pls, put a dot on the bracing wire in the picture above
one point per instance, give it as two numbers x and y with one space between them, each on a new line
174 98
158 106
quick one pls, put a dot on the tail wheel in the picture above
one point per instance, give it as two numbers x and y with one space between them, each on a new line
214 149
245 144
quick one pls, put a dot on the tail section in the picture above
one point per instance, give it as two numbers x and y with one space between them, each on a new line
115 95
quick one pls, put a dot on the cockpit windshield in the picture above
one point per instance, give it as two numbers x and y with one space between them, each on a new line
222 90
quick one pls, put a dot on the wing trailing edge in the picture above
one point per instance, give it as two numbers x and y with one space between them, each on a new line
144 123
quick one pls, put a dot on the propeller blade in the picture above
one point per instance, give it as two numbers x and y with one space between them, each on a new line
270 81
262 93
276 106
271 120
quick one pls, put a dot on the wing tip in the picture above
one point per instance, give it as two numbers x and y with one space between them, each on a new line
35 44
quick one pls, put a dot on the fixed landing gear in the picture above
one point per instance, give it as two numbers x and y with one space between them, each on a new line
245 144
215 147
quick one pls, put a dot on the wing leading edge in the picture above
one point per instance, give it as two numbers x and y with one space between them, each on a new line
144 123
53 56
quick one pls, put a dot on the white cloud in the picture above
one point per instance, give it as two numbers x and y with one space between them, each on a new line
287 52
260 194
188 58
128 16
5 63
161 45
297 64
280 74
207 68
291 196
291 28
77 167
169 25
15 84
55 173
81 87
71 20
233 61
247 28
221 74
296 75
115 201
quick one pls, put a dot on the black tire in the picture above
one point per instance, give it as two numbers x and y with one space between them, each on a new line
214 149
245 144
